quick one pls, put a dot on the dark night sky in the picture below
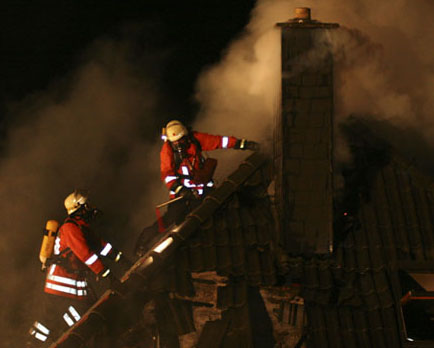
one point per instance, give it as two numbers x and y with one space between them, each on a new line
43 41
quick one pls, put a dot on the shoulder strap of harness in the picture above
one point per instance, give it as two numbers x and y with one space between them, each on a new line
67 250
71 220
178 157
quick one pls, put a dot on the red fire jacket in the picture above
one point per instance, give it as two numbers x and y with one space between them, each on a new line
173 176
67 278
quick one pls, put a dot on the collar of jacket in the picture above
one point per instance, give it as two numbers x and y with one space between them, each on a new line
77 220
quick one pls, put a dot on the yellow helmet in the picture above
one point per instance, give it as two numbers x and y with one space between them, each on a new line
74 201
175 130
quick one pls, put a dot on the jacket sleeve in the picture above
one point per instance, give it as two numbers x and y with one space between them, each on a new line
78 245
167 167
213 142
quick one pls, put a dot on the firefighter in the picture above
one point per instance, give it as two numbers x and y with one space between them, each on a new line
77 250
184 170
186 173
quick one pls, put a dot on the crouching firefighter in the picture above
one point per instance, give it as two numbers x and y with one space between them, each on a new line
77 249
187 174
184 169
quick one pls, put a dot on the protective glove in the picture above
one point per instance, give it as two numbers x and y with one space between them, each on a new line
243 144
187 194
182 191
124 261
252 145
114 283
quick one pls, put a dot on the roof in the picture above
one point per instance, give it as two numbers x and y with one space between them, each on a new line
231 234
386 221
226 249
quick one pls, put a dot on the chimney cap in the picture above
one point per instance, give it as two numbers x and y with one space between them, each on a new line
302 13
303 19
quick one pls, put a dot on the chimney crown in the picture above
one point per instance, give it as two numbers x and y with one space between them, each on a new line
303 19
302 13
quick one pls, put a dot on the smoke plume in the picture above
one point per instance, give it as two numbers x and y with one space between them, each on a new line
89 131
383 62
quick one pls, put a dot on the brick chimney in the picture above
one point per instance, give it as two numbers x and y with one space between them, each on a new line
304 137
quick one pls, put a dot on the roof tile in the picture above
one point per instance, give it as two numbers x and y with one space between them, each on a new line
224 262
347 327
361 329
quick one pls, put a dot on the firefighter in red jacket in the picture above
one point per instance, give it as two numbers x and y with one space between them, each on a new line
184 170
77 249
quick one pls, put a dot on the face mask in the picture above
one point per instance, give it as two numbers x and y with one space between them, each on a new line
180 146
89 213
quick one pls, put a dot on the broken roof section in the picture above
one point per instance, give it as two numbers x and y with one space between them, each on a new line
384 225
230 233
400 192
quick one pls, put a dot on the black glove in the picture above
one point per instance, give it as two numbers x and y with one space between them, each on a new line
252 145
113 282
116 285
243 144
125 262
186 193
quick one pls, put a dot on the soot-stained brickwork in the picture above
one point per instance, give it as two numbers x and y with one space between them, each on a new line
304 139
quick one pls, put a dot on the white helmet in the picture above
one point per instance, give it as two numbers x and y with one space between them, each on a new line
175 130
74 201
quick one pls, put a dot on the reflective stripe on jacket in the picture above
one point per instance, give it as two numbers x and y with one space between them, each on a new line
69 281
171 175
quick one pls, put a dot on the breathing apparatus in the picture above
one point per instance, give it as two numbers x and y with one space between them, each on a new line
87 212
48 241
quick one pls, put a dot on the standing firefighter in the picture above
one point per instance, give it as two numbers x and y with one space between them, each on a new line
77 249
184 170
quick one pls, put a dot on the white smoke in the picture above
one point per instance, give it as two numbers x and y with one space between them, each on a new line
90 130
383 65
240 95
